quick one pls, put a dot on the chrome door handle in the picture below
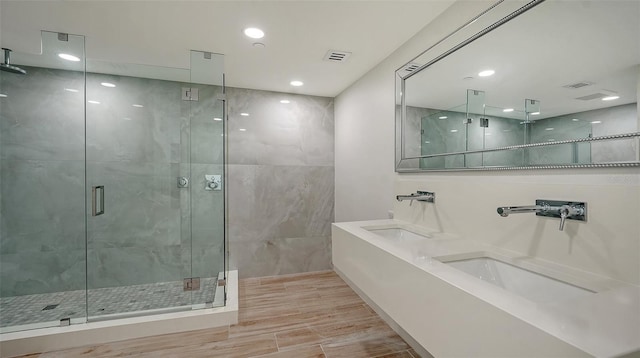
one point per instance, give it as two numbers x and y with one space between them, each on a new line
97 201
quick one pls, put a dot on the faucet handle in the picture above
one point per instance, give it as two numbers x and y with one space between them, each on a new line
569 211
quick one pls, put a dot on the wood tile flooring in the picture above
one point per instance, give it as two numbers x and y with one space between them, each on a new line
295 316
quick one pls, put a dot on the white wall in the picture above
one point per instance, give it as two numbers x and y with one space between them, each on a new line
608 244
365 120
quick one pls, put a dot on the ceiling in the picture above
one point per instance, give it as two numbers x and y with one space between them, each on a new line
298 35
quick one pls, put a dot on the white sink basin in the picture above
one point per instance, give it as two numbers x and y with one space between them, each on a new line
398 235
528 284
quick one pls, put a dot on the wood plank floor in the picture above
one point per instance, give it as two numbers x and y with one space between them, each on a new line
294 316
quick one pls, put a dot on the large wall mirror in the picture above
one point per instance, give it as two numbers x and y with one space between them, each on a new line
525 84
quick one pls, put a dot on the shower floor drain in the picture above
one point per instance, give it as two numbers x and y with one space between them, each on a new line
50 307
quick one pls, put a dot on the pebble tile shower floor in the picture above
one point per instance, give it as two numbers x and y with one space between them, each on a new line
21 310
311 315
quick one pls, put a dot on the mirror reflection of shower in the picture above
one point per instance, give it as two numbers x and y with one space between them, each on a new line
7 66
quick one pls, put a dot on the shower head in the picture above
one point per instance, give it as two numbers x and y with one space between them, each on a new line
7 66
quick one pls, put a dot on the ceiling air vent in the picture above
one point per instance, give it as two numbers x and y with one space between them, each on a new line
410 67
578 85
337 56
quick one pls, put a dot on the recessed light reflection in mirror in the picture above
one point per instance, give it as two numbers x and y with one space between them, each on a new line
575 119
285 101
507 110
242 129
535 113
244 114
2 95
454 130
137 105
486 73
596 122
549 129
217 119
93 102
71 90
108 84
66 56
442 117
610 98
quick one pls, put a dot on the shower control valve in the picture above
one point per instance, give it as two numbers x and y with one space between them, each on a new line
213 182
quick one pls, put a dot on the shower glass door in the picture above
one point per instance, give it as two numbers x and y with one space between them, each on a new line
153 188
42 225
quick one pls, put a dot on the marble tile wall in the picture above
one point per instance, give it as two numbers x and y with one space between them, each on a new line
42 247
439 137
280 176
281 182
151 231
600 122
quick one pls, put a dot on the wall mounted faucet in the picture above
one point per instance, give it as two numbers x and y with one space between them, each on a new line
550 208
427 196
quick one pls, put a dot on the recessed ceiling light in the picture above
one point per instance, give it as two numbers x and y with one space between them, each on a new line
575 119
137 105
285 101
535 113
217 119
93 102
66 56
2 95
442 117
549 129
454 130
107 84
596 122
244 114
486 73
242 130
296 83
71 90
254 33
610 98
507 110
427 142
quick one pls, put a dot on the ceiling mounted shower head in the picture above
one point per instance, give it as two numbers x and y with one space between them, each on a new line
7 66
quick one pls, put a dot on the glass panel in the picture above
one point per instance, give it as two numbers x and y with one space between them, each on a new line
42 234
206 129
139 249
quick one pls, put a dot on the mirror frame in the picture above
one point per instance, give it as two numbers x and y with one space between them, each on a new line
401 160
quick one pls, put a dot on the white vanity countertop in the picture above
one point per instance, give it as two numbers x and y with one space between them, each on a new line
604 324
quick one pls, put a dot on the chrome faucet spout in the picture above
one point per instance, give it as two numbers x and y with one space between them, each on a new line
419 196
504 211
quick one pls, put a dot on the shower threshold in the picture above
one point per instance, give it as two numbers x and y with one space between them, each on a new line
25 312
118 328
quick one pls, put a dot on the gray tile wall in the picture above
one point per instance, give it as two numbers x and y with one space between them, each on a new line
151 229
438 138
281 182
42 231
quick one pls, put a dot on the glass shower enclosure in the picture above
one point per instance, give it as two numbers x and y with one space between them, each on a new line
112 198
